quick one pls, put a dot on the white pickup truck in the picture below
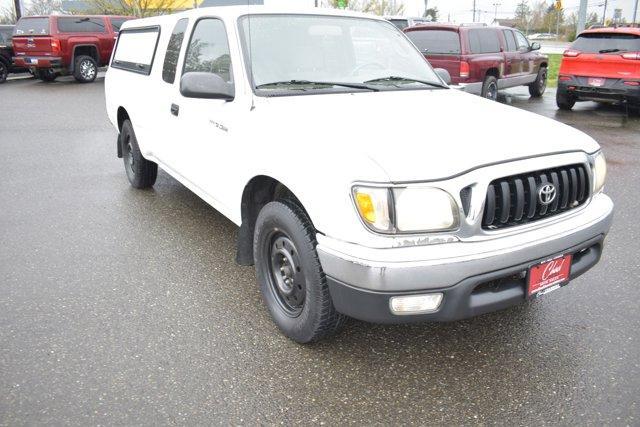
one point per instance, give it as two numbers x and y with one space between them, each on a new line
362 185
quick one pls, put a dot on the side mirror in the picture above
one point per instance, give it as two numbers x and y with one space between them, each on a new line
197 84
535 46
444 75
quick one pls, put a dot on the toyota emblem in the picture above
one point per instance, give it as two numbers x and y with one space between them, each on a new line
547 194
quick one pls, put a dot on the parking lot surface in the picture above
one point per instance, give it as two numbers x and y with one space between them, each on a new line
120 306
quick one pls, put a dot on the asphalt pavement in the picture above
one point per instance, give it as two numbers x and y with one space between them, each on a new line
126 307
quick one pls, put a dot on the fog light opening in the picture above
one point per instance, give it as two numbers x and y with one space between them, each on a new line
415 304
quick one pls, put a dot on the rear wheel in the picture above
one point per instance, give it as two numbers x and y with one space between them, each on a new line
564 101
537 88
4 72
46 74
85 69
490 88
141 172
291 279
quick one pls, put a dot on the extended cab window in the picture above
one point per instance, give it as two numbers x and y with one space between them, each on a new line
511 41
484 41
173 51
208 50
436 41
607 42
79 24
135 49
5 36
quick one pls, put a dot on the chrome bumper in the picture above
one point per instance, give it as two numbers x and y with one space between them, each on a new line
443 265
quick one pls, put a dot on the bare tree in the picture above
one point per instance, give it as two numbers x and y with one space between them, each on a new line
7 15
44 7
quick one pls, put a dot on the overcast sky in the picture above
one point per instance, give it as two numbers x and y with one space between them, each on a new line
460 10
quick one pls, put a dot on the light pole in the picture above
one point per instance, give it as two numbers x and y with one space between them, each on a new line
474 10
16 3
604 13
495 15
635 12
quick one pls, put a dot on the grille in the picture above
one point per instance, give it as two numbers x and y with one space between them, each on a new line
514 200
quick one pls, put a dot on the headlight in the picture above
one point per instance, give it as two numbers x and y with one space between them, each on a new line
599 172
406 210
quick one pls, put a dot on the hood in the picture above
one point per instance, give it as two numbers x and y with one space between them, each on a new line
418 135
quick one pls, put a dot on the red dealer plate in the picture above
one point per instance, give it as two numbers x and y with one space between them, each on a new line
549 274
596 82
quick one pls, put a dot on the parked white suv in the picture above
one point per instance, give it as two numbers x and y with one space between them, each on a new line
363 186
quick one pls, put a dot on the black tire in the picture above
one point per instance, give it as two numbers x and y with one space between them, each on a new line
537 88
4 72
284 247
490 88
141 172
564 101
85 69
46 74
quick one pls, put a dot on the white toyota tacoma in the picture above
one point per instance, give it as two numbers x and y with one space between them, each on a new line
362 185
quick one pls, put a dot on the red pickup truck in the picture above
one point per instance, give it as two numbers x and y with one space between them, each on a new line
482 59
60 45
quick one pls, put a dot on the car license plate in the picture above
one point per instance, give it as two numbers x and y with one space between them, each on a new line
33 61
549 275
596 82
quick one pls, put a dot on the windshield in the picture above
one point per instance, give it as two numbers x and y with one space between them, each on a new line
607 42
436 41
291 51
32 26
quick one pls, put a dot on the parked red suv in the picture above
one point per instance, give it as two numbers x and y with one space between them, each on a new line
601 65
58 45
483 59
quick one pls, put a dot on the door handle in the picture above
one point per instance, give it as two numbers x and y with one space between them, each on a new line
175 109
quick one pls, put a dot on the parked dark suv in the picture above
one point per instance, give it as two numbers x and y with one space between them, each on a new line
483 59
6 53
59 45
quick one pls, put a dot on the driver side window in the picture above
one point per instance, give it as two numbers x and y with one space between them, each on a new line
208 50
523 43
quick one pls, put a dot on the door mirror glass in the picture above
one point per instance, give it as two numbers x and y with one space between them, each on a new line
198 84
444 75
535 46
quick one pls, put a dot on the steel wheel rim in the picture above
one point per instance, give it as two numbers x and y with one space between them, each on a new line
492 91
130 161
286 278
87 70
543 81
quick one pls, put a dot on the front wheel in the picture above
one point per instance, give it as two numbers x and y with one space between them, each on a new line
490 88
85 69
291 279
141 172
537 88
564 101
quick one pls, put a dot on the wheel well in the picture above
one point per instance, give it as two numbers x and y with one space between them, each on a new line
544 65
91 51
258 192
122 116
493 72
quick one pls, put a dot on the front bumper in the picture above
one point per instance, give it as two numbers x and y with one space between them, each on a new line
475 277
613 90
38 62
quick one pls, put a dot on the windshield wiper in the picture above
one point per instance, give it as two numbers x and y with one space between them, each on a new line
612 50
287 83
396 79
